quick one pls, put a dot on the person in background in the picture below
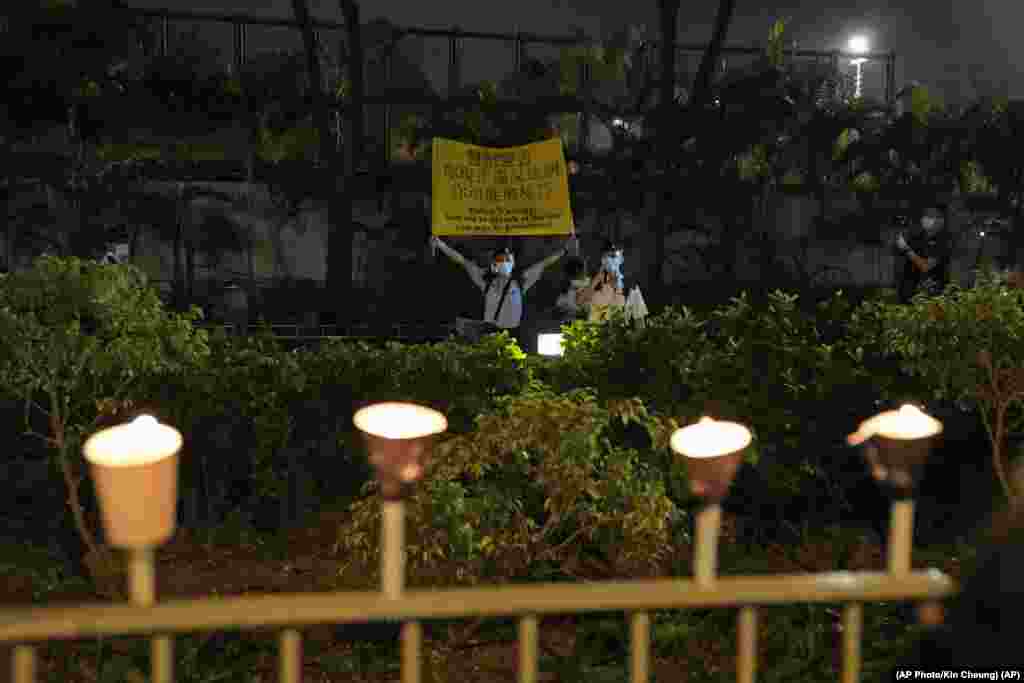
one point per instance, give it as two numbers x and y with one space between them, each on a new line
927 255
236 308
503 288
606 290
569 306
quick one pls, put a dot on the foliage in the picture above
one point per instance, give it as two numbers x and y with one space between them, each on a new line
460 380
76 337
964 345
538 484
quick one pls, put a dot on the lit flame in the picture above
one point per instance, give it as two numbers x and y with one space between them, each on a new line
709 438
399 421
142 441
909 422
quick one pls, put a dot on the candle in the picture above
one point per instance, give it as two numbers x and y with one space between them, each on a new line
142 441
907 423
399 421
709 438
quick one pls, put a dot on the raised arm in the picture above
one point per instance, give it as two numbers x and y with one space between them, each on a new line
476 273
533 273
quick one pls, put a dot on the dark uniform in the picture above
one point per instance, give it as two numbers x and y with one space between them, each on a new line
938 246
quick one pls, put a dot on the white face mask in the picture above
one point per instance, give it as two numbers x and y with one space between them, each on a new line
930 223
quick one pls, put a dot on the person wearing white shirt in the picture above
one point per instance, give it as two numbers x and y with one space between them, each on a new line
503 289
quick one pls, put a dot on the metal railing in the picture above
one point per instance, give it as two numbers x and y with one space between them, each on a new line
529 603
456 38
298 332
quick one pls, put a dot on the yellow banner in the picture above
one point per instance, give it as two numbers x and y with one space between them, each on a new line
500 191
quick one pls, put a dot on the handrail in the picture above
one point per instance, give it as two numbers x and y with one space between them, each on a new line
283 610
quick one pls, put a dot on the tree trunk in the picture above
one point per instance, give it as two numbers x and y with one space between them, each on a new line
341 241
669 19
702 84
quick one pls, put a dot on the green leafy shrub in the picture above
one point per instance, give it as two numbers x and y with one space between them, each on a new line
538 488
964 345
76 339
659 361
460 380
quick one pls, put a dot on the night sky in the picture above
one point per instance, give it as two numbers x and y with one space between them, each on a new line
946 44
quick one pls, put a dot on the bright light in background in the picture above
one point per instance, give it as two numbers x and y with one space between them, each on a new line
549 344
859 45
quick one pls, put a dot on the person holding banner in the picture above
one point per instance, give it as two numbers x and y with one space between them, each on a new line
502 286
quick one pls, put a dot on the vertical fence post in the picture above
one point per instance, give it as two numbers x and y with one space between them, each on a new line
289 656
23 664
528 662
746 646
164 34
517 53
705 557
901 535
853 621
239 52
454 62
584 115
388 142
142 583
640 647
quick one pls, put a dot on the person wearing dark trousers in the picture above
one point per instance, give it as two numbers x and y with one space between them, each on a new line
503 288
927 253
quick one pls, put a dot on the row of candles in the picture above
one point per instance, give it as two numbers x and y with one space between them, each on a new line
135 470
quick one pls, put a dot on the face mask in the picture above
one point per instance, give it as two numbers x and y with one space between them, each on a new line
581 283
930 223
612 262
503 268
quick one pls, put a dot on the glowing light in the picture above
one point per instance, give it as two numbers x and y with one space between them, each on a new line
859 45
400 421
907 423
709 438
549 344
142 441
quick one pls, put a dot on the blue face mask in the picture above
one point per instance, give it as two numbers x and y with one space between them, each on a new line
503 268
612 262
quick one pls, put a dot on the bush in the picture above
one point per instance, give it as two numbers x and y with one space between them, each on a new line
538 488
965 345
76 339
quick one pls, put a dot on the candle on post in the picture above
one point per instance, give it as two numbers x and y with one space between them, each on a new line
901 442
134 468
713 452
398 438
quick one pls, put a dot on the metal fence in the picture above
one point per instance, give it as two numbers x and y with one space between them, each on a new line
529 603
463 48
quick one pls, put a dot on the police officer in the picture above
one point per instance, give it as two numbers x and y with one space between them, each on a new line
927 255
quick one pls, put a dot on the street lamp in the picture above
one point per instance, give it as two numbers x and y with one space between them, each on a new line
135 470
858 45
902 440
712 451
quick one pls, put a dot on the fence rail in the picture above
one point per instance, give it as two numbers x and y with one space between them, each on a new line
456 35
528 603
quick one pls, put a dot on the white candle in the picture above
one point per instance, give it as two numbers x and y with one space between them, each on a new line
142 441
400 421
709 438
907 423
